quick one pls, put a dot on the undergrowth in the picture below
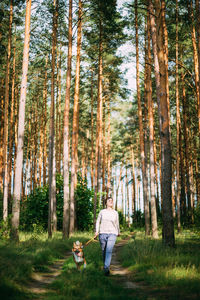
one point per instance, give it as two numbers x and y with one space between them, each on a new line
177 269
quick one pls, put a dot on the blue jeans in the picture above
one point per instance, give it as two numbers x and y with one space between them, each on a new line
107 242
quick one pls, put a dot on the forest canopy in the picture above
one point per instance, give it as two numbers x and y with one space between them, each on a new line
67 109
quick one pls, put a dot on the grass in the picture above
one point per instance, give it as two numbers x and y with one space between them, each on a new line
34 253
89 284
168 273
175 271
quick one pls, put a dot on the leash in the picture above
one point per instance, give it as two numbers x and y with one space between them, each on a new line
92 239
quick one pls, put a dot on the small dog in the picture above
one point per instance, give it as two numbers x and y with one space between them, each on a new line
78 255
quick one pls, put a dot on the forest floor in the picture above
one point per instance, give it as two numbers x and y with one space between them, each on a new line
141 268
40 283
121 277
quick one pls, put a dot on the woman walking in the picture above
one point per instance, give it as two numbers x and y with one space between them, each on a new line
107 227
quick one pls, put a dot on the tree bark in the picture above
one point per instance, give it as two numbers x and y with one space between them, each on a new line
178 131
52 179
195 53
1 134
133 183
117 187
11 141
104 152
166 167
151 134
197 5
108 152
21 122
92 132
74 160
142 150
5 140
58 114
186 140
98 150
45 124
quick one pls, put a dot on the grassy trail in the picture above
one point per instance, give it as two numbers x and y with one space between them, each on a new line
38 268
91 283
117 286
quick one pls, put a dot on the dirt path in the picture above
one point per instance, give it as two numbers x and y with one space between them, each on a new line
39 283
40 280
124 277
123 273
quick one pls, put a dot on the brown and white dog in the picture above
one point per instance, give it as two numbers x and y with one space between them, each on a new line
78 255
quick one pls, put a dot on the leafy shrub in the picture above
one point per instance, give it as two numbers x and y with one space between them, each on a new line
84 206
138 219
122 221
34 209
197 216
5 229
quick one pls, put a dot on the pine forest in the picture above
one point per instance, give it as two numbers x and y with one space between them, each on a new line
99 99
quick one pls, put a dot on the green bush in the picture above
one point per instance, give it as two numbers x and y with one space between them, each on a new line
138 219
197 216
34 209
84 206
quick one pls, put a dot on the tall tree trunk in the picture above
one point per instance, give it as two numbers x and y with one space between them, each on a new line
45 124
5 140
156 69
156 175
83 159
165 46
92 132
183 184
1 134
104 152
127 198
186 140
16 125
35 138
75 123
133 183
151 134
58 114
21 122
41 137
28 153
117 187
11 141
195 55
178 128
98 152
197 5
108 152
142 150
52 179
166 167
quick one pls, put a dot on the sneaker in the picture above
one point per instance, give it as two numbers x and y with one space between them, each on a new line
106 272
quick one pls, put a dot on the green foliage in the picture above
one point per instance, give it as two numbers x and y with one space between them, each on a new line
34 209
138 219
197 216
84 206
5 229
1 204
122 221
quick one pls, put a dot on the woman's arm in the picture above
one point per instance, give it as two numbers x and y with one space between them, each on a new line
118 228
98 225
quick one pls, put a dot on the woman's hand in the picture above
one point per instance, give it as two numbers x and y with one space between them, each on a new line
96 235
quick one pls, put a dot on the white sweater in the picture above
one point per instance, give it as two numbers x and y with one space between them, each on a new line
108 222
